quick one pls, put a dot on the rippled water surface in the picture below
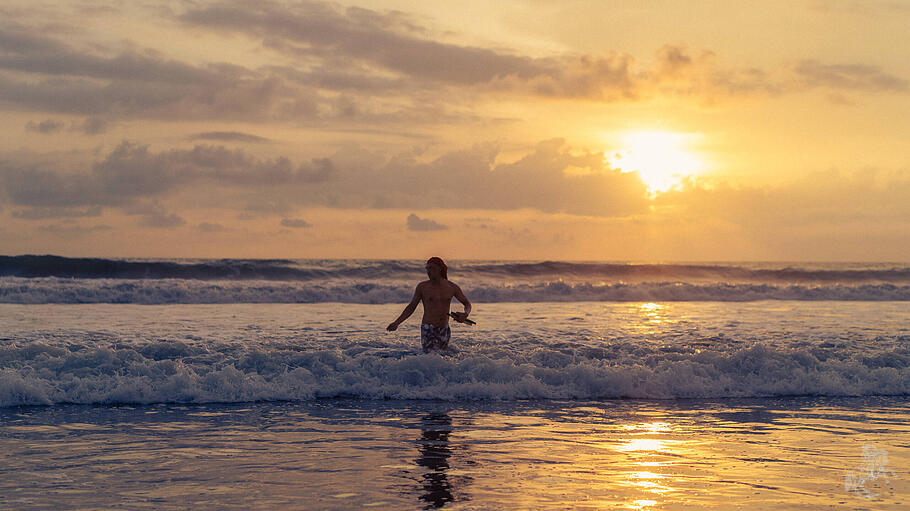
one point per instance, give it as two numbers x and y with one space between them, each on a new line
632 405
794 453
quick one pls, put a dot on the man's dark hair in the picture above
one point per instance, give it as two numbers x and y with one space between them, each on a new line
438 261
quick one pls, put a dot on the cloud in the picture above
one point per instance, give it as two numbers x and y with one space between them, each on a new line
162 221
389 39
348 46
211 227
594 77
44 213
47 126
415 223
357 49
132 171
326 65
470 179
92 126
69 230
229 136
830 197
129 82
464 179
865 8
17 39
153 214
823 216
850 77
227 94
552 177
295 223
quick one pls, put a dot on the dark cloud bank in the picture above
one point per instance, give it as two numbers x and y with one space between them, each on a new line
132 174
356 65
137 180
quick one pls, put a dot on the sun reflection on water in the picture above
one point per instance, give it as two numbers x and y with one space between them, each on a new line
652 312
649 427
648 481
648 448
643 444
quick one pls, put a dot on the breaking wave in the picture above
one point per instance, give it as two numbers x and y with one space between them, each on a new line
175 372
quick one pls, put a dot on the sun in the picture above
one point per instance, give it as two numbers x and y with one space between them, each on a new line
661 158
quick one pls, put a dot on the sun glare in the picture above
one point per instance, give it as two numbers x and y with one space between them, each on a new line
661 158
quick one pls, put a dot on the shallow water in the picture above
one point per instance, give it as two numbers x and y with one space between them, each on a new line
110 353
787 453
675 405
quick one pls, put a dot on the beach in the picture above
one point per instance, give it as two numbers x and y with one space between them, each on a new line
563 404
758 453
520 255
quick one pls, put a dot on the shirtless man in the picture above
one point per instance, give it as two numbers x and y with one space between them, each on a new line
436 295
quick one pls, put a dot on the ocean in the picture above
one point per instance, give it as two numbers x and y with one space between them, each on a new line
256 384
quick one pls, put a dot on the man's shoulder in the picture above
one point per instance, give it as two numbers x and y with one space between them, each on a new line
445 284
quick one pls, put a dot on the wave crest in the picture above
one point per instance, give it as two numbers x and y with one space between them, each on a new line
176 291
38 266
171 371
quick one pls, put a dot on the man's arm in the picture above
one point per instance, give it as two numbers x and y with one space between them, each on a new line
461 316
408 310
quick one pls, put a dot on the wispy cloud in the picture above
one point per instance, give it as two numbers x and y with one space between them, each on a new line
229 136
295 223
415 223
92 126
43 213
71 230
46 126
850 77
162 221
328 65
823 197
211 227
391 40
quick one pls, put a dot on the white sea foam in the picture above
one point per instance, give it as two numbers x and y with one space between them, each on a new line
229 353
130 353
174 372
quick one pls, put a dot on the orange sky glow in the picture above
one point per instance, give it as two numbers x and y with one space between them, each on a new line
655 130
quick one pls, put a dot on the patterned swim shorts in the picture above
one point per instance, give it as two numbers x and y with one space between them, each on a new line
434 337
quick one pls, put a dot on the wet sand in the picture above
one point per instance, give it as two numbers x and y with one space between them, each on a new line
758 453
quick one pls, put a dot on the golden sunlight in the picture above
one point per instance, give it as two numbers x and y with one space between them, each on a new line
661 158
643 444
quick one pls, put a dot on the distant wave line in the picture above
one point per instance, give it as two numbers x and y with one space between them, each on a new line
174 291
40 266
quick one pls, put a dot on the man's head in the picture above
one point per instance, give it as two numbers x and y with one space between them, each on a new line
436 264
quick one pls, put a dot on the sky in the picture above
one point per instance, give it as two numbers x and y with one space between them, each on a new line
520 129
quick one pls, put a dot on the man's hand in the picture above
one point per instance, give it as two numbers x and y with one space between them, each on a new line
392 326
461 317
